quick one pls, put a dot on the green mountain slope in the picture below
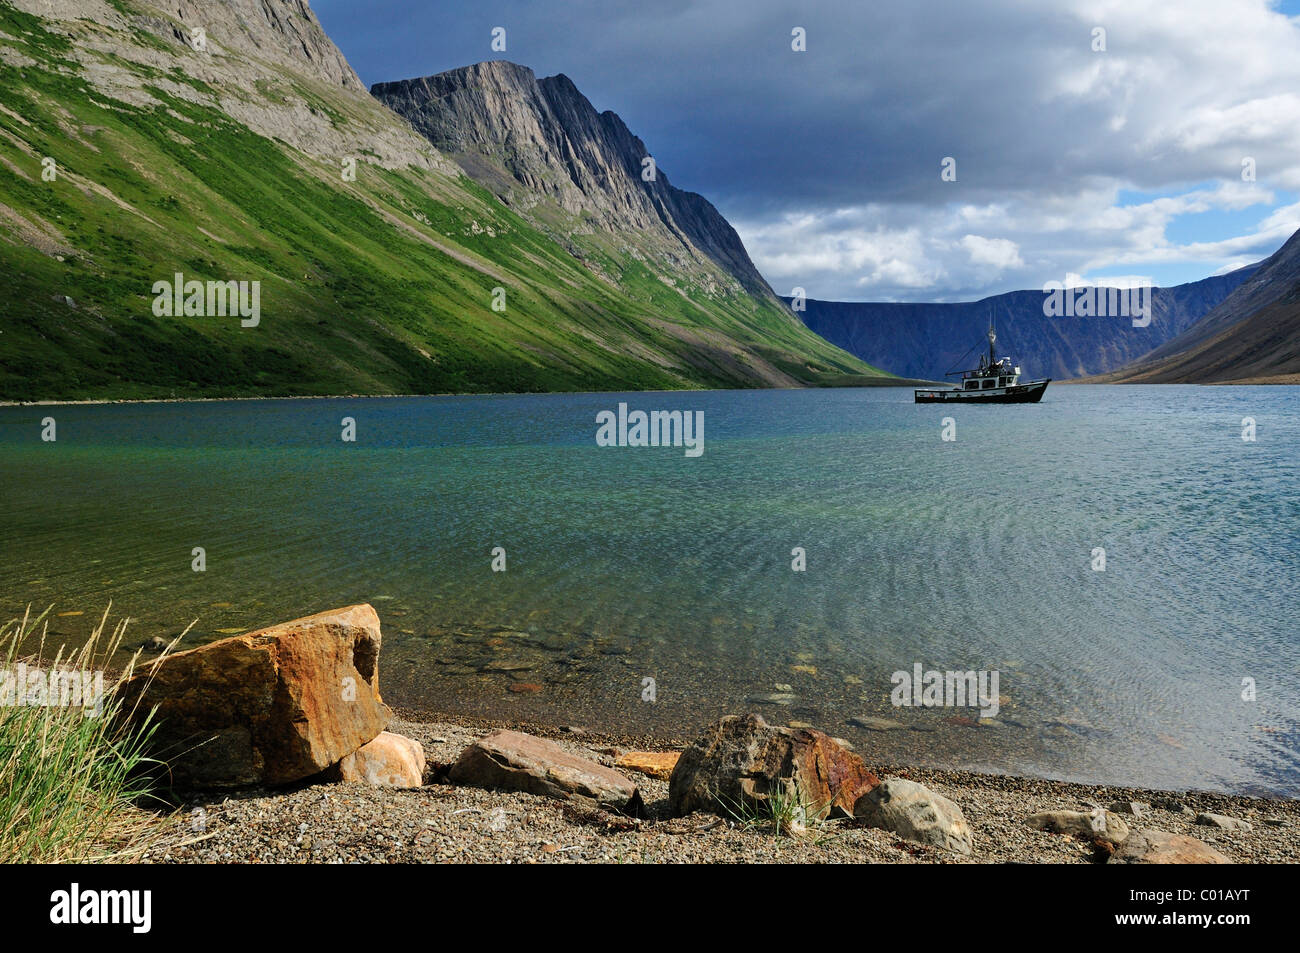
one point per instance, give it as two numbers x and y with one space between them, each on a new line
226 164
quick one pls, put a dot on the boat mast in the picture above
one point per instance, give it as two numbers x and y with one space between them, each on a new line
993 336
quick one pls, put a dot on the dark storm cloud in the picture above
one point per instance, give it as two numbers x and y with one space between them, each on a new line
838 149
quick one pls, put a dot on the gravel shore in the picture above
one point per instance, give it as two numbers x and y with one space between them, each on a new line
440 822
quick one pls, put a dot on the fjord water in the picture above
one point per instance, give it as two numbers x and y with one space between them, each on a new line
628 564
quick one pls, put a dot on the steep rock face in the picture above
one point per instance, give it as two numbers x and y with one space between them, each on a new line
285 32
266 64
1253 334
926 340
531 140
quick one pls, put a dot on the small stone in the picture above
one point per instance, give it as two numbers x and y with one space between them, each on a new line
526 688
1171 804
656 764
1223 822
1135 808
389 761
1094 826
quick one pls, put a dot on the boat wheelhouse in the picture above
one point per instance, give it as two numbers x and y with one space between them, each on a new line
995 381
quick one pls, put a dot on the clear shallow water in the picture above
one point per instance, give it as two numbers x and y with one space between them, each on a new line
632 563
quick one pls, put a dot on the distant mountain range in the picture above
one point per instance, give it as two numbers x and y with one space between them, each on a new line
927 340
229 140
1252 336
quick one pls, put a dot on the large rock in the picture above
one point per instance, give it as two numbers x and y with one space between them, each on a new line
1161 847
519 762
389 761
269 707
914 812
742 759
1096 826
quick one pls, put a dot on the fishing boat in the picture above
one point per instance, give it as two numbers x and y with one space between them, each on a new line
995 381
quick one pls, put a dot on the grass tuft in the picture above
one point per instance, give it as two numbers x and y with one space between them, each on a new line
71 785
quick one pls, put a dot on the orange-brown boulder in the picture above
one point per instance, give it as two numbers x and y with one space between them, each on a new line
270 707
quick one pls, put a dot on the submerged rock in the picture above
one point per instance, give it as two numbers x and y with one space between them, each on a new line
872 723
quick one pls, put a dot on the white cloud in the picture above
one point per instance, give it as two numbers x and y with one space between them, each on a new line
998 253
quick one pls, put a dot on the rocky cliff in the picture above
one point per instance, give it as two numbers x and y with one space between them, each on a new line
541 147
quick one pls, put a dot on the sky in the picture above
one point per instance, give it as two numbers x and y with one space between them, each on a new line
1101 141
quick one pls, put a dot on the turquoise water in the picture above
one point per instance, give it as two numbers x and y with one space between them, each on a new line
624 564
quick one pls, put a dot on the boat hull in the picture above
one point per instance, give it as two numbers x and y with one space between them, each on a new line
1030 393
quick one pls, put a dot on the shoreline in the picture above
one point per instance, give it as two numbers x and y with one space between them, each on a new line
96 401
1285 380
442 822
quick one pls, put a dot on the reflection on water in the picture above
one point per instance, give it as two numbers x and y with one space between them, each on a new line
628 564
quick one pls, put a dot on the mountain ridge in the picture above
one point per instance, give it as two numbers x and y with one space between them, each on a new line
1253 334
382 267
925 340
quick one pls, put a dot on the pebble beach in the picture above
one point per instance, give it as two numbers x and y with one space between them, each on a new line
441 822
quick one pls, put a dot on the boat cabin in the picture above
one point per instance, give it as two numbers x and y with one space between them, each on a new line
988 376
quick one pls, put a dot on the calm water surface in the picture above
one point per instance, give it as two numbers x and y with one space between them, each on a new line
627 564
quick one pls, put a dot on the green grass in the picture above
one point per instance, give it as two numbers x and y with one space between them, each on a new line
70 788
781 811
351 302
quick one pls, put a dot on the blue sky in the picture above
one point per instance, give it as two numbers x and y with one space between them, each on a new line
1072 162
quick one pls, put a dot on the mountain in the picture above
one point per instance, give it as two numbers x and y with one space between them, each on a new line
133 149
540 146
1253 335
926 340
